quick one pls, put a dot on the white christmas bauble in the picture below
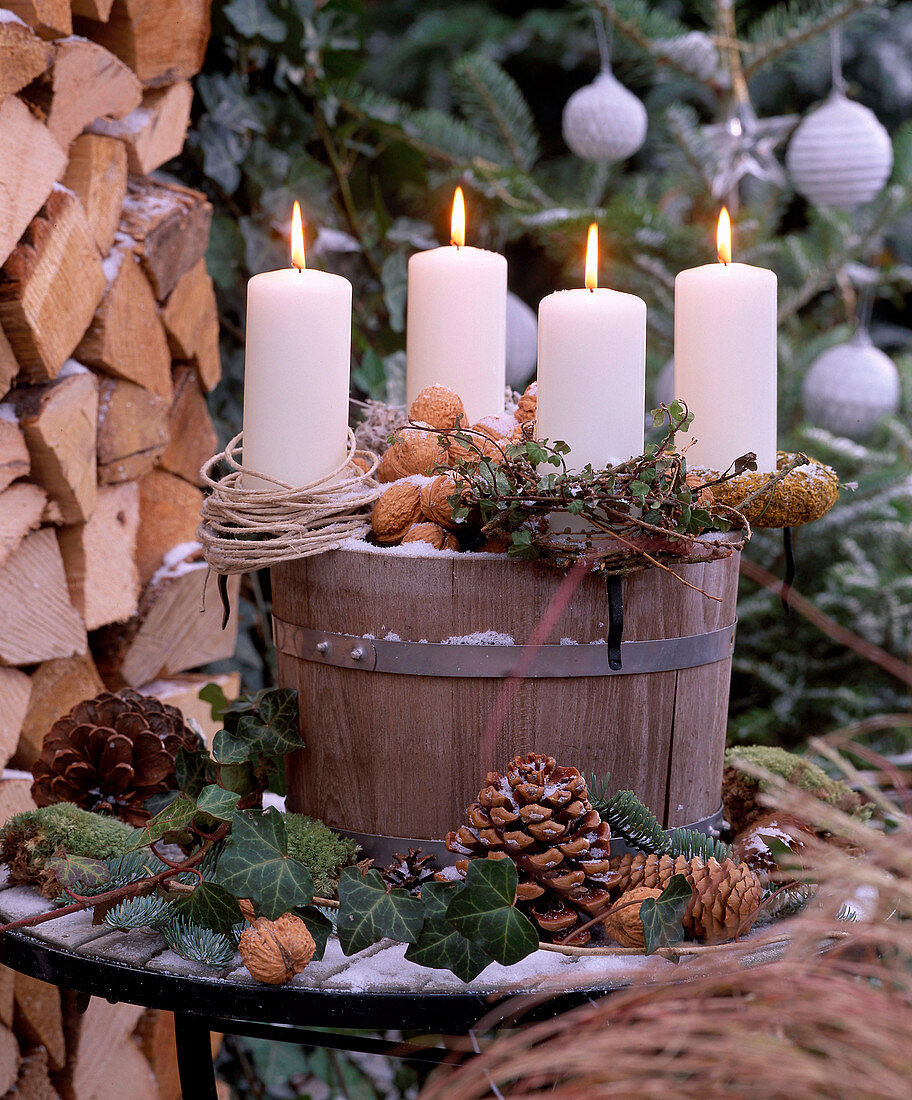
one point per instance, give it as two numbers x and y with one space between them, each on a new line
695 52
850 388
522 342
840 155
604 121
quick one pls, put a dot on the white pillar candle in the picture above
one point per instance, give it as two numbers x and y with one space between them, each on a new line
725 358
592 370
456 322
296 373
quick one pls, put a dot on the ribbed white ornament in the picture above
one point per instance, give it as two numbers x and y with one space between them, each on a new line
850 388
604 121
522 342
840 155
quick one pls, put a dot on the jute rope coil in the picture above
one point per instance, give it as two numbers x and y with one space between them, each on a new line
245 528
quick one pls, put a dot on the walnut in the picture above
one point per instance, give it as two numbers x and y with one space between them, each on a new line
497 427
361 462
528 404
247 911
274 951
435 504
484 445
439 407
395 512
414 452
495 546
433 534
705 496
623 922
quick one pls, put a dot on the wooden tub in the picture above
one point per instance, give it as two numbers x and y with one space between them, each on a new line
392 718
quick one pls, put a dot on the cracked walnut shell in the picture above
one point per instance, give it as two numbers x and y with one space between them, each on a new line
433 534
528 404
435 504
440 407
623 922
395 512
274 951
414 452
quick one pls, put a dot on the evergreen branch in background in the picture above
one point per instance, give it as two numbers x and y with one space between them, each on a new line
646 26
492 101
790 25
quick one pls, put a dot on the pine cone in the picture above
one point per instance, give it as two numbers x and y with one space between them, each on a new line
111 753
539 815
410 872
726 895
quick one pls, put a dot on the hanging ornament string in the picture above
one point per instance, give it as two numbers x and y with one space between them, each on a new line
604 37
839 81
245 528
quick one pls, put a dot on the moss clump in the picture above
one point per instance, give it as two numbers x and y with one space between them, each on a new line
740 790
29 839
323 852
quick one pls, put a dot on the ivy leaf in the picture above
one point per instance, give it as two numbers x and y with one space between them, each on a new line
318 925
230 748
252 19
662 916
171 821
217 802
368 912
213 694
255 864
483 912
193 769
273 725
76 871
212 906
439 945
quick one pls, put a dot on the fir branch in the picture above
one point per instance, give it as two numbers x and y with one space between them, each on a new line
645 25
198 944
790 25
492 100
638 826
142 912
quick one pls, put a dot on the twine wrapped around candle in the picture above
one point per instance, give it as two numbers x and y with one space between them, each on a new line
243 529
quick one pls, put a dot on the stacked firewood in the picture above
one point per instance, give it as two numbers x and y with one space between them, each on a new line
108 347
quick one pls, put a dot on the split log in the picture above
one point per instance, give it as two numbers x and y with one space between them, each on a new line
132 430
9 368
14 456
93 9
126 337
170 226
169 514
93 1039
39 1017
9 1059
154 131
37 620
59 422
51 18
15 692
31 162
21 508
15 794
170 634
34 1082
155 1033
125 1063
86 82
99 557
161 40
23 55
191 321
193 436
57 686
51 286
183 692
97 174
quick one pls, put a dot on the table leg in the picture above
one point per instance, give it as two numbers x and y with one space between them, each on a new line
194 1058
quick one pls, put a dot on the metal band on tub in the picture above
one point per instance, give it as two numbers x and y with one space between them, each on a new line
499 661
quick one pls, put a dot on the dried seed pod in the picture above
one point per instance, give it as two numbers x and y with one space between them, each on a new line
435 504
274 951
247 911
623 922
438 406
528 404
395 512
431 533
414 452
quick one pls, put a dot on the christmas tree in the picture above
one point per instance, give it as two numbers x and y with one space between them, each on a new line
370 114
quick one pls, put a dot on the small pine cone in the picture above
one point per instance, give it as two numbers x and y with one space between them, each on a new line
434 501
410 872
726 895
415 451
433 534
539 815
274 951
395 512
528 405
441 408
623 922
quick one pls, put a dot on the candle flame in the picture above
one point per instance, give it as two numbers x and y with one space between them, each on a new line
457 223
297 239
724 237
592 258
